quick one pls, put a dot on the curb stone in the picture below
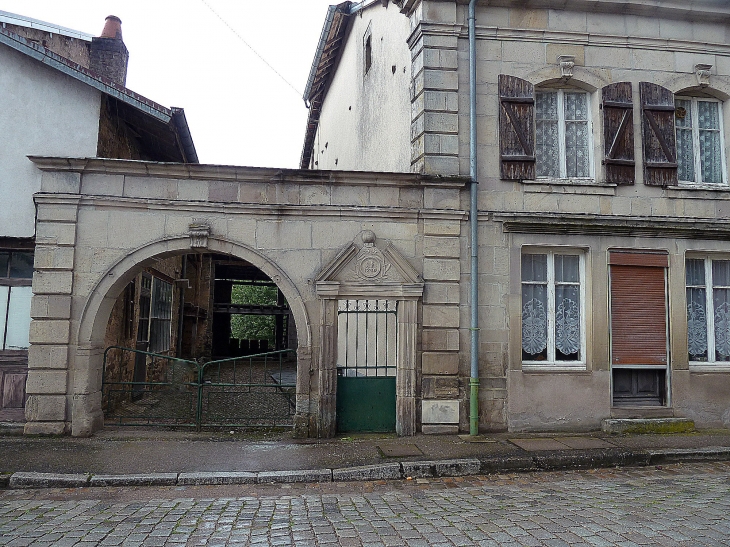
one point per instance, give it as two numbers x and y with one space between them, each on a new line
309 475
207 479
145 479
388 471
441 468
24 479
672 455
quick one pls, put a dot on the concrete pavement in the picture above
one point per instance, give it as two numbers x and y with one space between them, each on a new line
157 457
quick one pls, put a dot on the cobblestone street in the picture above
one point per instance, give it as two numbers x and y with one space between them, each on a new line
674 505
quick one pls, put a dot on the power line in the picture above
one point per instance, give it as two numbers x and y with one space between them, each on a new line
234 31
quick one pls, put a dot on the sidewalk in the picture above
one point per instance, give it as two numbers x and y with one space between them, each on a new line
131 456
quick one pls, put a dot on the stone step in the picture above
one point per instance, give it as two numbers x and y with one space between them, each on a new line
647 425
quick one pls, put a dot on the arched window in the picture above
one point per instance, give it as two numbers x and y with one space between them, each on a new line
700 155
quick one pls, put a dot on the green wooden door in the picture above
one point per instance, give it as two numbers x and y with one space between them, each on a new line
365 404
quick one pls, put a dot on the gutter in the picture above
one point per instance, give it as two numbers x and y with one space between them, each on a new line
473 225
184 137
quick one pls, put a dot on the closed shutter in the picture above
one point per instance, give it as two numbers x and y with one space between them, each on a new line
618 133
516 128
638 308
660 149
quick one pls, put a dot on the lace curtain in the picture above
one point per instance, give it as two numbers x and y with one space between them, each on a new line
707 130
537 306
576 135
699 321
721 304
696 310
708 121
567 306
547 149
685 151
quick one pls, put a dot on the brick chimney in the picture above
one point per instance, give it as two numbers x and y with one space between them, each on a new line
109 56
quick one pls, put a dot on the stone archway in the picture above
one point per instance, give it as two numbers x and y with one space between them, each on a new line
85 352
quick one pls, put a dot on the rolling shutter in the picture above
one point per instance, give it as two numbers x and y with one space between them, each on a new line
516 128
618 133
638 308
660 149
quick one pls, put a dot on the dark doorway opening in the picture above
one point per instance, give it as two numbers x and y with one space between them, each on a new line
639 387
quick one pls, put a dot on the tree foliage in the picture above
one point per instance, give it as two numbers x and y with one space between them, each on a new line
254 327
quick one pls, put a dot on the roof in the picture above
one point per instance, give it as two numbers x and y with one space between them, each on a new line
153 114
23 21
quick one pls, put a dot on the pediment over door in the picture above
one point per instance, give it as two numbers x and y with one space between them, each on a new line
369 269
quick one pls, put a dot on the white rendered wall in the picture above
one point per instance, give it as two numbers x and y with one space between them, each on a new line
42 112
365 120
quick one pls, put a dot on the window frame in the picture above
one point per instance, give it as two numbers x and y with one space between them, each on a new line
562 156
696 156
12 282
711 364
160 315
551 363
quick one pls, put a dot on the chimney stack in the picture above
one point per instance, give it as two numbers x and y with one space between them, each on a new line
109 56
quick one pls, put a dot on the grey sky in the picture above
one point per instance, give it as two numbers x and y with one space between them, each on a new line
181 54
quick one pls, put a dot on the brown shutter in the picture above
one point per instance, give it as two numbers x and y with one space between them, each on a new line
618 133
638 309
516 128
660 149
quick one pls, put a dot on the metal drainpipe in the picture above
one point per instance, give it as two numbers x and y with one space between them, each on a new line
473 225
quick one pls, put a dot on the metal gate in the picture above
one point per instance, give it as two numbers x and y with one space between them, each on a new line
252 391
366 365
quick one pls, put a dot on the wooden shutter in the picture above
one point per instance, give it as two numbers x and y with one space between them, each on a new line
516 128
638 308
618 133
660 149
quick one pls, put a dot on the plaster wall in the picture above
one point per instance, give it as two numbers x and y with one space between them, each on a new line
365 118
44 113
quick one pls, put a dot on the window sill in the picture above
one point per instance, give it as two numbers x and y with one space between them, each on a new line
699 191
569 186
704 367
553 367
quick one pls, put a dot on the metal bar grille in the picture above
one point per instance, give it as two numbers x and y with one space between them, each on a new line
367 338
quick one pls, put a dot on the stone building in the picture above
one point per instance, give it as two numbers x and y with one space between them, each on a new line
602 197
599 205
62 94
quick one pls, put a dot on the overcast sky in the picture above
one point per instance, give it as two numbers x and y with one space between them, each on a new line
180 54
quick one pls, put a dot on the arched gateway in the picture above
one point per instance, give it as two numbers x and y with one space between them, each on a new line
105 225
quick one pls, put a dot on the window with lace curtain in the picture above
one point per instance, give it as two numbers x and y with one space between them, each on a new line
708 310
700 144
553 331
563 134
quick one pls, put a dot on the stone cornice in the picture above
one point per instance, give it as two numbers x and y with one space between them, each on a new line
262 210
228 173
608 225
715 11
486 32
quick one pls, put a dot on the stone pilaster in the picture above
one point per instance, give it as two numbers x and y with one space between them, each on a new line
47 387
440 334
434 95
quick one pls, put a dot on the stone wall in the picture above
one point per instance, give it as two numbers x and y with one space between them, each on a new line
289 224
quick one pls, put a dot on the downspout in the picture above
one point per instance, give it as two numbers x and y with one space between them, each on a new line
473 225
